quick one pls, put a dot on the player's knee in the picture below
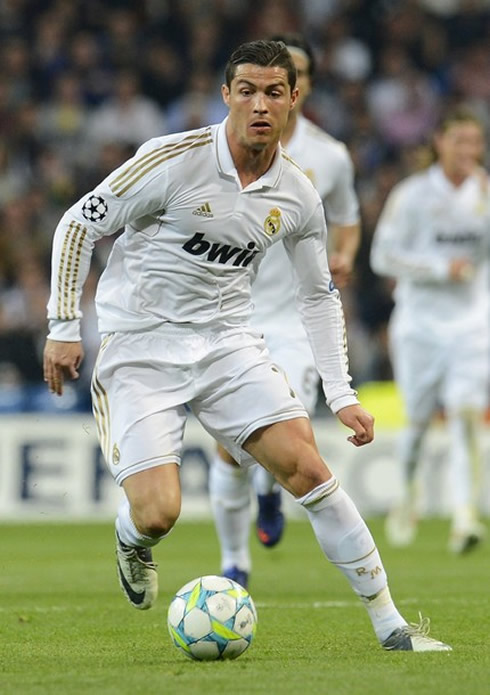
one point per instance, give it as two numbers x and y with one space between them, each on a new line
307 477
156 520
303 474
157 524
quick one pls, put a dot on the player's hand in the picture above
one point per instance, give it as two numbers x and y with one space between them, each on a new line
461 270
360 421
61 360
340 268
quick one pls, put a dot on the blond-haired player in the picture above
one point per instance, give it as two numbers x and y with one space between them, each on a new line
199 211
434 238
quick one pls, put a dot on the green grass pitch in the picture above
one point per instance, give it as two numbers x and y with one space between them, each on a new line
65 627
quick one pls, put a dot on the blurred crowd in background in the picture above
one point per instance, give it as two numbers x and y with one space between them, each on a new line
84 82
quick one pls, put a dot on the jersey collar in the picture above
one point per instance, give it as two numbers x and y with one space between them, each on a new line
440 180
295 143
226 166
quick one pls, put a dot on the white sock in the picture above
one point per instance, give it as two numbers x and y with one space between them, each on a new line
347 543
263 482
463 466
408 451
127 531
229 490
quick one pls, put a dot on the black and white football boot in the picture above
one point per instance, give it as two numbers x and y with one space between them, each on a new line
414 638
137 574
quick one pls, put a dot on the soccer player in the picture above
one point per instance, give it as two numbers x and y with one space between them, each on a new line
433 237
328 165
199 211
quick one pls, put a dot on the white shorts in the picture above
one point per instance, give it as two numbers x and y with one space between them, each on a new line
142 383
295 357
452 373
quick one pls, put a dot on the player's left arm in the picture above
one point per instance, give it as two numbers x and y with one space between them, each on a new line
344 229
360 422
344 247
321 311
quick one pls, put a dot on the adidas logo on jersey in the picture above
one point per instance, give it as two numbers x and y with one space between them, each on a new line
203 210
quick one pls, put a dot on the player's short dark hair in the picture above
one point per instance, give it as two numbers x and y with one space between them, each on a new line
298 41
262 53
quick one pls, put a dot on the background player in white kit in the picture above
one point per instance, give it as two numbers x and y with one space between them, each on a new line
173 304
328 165
434 238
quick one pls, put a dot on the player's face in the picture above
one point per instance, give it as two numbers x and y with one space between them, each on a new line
303 81
460 148
259 99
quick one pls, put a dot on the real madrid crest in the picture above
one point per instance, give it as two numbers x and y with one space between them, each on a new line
272 223
116 456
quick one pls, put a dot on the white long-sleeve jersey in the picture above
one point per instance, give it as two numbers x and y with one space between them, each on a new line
327 164
426 223
192 240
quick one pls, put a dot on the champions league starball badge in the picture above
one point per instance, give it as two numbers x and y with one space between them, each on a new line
94 209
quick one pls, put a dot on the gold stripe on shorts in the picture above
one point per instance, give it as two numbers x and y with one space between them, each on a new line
100 406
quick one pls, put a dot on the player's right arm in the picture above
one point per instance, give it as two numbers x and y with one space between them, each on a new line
61 359
394 251
346 240
344 228
131 191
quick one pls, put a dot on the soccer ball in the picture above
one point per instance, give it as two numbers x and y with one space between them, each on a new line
212 618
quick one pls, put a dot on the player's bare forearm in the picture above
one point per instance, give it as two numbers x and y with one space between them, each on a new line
360 422
346 240
61 360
